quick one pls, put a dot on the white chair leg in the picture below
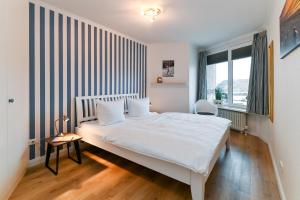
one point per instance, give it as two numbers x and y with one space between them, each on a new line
197 186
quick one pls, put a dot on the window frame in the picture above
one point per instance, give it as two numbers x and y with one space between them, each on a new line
230 71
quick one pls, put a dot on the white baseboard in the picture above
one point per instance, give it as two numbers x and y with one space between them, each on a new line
278 179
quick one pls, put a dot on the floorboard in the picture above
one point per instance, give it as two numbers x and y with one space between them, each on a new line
245 172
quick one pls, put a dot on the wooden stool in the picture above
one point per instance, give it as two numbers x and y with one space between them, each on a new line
58 142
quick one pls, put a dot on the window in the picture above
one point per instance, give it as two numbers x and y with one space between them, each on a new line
217 77
230 76
241 74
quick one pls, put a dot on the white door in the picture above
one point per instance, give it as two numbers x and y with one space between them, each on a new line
17 84
3 104
14 68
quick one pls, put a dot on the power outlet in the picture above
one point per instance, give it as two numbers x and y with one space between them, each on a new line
31 141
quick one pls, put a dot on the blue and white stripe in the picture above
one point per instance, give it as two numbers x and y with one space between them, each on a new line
69 57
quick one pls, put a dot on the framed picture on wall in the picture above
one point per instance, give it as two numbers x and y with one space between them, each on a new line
168 68
289 27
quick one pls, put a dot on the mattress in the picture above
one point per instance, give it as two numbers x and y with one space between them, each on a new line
187 140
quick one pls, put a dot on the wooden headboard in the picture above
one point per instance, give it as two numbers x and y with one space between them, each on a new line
86 106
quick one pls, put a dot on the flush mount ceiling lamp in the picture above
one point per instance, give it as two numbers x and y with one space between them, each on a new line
151 13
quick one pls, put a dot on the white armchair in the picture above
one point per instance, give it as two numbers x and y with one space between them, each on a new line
203 107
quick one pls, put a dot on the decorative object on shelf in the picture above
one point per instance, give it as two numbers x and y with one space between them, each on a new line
151 12
289 27
271 81
159 80
65 119
168 68
218 94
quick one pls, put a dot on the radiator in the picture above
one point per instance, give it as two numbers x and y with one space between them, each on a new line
239 119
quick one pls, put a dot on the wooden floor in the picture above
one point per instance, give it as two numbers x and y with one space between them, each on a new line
245 172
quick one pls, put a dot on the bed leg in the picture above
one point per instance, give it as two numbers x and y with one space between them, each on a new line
228 144
197 186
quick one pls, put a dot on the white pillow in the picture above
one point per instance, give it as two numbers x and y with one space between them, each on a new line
110 112
138 107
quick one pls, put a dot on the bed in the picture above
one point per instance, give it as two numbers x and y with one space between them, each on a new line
182 146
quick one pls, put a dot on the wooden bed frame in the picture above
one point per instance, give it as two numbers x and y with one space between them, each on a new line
86 111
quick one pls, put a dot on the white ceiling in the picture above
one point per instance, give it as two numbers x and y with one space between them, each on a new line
200 22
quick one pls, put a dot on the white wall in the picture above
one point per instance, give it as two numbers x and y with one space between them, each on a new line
175 98
3 123
193 75
14 68
171 98
284 134
259 126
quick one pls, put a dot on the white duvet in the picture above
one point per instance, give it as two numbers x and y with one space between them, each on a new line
187 140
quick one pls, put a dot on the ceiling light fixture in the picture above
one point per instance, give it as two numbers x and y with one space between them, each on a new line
151 13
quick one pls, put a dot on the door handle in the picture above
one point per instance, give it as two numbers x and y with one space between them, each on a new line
11 100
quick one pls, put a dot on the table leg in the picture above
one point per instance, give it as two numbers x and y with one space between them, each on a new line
49 148
57 159
77 148
68 146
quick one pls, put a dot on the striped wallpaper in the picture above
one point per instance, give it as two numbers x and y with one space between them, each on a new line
68 58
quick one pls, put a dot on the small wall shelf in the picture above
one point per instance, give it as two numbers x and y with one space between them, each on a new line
170 85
